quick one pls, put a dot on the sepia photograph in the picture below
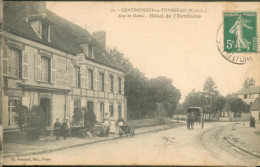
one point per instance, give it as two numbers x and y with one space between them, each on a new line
130 83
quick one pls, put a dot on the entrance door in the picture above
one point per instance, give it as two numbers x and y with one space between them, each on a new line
46 106
90 106
119 111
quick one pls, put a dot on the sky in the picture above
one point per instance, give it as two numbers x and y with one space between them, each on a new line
182 49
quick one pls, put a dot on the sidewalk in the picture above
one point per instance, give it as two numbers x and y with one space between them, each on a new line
243 137
50 144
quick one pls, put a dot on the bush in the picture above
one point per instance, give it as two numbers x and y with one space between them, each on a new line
77 116
35 123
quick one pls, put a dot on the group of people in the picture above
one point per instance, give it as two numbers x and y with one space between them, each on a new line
61 129
109 126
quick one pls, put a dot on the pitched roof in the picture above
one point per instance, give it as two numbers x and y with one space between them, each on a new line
249 90
256 105
64 35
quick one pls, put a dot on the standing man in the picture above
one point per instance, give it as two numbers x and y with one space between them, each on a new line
57 128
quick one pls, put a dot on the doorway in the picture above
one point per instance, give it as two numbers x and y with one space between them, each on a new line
45 104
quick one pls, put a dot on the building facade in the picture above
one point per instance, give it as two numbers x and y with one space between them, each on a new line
249 94
51 62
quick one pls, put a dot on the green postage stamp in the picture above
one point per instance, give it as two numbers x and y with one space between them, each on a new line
240 32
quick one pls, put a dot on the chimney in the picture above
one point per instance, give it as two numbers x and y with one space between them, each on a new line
100 36
40 7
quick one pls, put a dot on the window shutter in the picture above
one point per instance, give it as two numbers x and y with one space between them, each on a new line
25 65
71 69
95 80
86 77
37 67
53 70
83 77
122 85
115 84
5 60
106 82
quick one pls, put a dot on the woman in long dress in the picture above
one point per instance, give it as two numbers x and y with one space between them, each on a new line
237 28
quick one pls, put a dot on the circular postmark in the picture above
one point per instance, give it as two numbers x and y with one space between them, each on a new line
231 41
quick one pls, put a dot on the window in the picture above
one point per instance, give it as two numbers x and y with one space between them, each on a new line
111 110
251 96
119 86
102 107
101 82
111 78
245 96
77 76
12 115
77 104
119 109
14 64
90 79
90 51
45 69
45 31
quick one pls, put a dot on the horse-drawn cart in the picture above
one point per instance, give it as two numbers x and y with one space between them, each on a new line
194 114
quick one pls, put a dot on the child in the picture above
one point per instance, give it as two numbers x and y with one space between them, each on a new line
57 127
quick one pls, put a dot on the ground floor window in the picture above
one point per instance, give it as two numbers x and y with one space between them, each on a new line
111 110
102 111
77 104
119 109
12 115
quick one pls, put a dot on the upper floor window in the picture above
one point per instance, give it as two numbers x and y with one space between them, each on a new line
111 80
101 82
119 85
77 76
45 69
90 79
14 63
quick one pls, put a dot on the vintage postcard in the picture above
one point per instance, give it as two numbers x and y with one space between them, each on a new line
130 83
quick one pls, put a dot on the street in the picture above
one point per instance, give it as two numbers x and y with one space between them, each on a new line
177 146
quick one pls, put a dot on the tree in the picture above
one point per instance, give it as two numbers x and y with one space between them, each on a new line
194 99
236 105
211 92
218 104
249 82
142 93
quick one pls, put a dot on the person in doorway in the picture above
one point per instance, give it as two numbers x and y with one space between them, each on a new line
57 128
64 129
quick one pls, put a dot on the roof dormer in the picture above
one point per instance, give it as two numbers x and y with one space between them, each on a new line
40 22
88 50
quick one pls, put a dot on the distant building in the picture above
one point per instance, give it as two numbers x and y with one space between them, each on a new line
51 62
255 109
249 94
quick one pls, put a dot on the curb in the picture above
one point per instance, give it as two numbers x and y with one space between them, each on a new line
12 155
241 148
